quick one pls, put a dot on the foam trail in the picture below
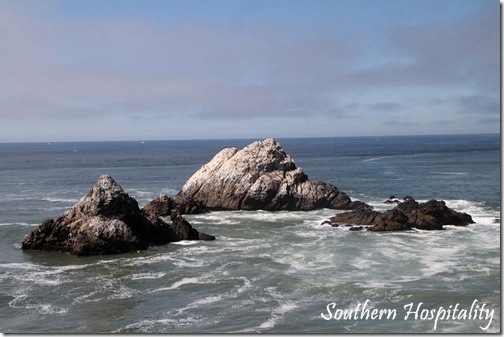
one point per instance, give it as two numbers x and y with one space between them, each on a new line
19 224
277 315
176 285
376 158
185 243
143 276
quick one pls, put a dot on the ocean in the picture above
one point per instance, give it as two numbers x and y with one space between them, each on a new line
267 272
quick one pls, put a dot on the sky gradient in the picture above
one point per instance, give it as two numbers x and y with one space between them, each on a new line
204 69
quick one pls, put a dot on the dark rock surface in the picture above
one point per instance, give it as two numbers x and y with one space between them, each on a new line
191 206
105 221
430 215
392 200
185 231
163 205
260 176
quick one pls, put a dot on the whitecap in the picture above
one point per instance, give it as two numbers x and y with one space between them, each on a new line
206 300
220 297
19 224
141 260
364 263
123 292
60 200
277 315
185 243
142 276
471 207
20 301
17 298
189 263
246 285
107 288
148 325
376 158
439 260
238 217
178 284
48 309
23 265
451 173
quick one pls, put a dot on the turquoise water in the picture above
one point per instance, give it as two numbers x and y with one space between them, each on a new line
266 272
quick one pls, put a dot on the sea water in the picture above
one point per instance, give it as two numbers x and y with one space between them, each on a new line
268 272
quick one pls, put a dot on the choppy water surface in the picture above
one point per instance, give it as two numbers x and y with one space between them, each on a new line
267 271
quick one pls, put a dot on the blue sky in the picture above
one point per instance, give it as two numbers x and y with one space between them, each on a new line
197 69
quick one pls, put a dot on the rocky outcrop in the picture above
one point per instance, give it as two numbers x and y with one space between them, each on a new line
185 231
105 221
260 176
163 205
430 215
191 206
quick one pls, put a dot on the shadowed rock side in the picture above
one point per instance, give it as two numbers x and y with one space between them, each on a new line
105 221
163 205
261 176
430 215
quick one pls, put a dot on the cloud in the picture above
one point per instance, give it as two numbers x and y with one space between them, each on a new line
254 70
386 106
196 68
464 52
396 123
491 121
478 104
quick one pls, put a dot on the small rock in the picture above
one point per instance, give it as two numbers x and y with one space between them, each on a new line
431 215
162 205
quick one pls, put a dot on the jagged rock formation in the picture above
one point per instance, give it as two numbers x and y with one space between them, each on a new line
430 215
260 176
105 221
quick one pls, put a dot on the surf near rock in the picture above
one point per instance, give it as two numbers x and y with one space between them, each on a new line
106 221
430 215
260 176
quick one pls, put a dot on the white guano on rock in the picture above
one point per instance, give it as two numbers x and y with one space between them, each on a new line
261 176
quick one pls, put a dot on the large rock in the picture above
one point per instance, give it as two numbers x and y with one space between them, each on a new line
260 176
105 221
430 215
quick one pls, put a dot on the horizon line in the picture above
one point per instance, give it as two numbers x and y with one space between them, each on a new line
246 138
